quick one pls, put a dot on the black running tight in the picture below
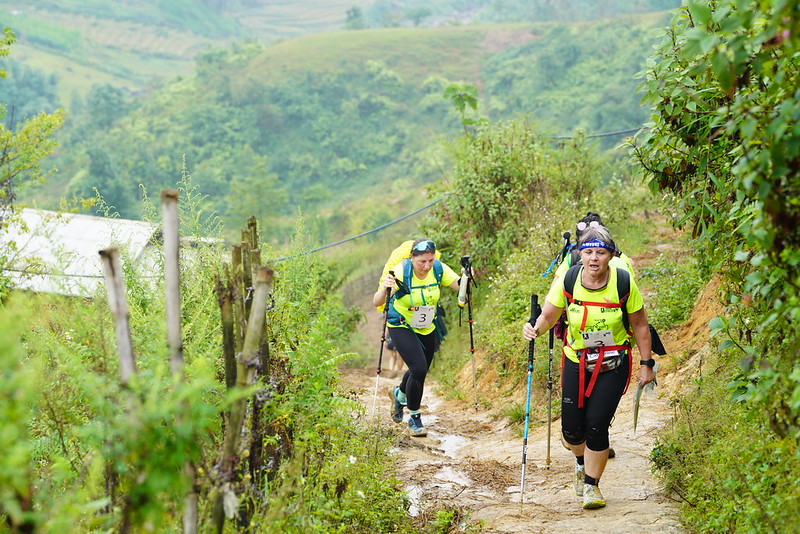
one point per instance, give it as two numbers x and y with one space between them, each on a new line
590 423
417 351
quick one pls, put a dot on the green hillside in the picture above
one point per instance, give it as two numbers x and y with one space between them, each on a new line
329 123
135 44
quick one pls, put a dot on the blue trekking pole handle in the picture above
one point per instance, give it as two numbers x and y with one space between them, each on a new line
534 314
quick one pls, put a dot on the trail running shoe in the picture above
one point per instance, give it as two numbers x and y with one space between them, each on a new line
397 406
580 472
592 498
415 425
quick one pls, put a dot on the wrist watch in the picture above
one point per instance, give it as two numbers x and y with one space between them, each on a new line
649 363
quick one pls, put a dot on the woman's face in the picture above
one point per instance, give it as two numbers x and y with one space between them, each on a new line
595 260
422 263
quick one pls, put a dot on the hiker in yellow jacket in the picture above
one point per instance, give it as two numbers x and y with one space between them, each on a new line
411 313
598 357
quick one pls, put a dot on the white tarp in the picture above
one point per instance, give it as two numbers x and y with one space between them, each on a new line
52 252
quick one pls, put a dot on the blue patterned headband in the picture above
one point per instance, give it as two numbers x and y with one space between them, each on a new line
596 243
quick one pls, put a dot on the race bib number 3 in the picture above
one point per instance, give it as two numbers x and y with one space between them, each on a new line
603 338
422 316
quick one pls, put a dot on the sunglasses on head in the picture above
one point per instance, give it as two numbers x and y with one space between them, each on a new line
424 246
582 226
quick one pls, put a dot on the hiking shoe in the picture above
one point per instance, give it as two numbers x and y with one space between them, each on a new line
397 406
592 498
415 425
580 472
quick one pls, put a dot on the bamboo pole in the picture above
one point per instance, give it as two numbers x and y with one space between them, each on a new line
245 377
118 303
238 297
225 300
171 233
256 459
247 276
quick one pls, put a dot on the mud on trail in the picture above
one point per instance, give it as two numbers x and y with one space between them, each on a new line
472 458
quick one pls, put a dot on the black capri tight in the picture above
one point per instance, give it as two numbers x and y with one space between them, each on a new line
590 423
417 351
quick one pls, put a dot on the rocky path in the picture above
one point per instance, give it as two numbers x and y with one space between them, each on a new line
471 459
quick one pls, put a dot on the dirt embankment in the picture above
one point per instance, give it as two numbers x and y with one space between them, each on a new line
471 459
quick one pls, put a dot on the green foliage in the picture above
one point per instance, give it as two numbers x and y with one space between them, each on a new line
26 92
731 473
5 44
355 19
22 153
18 390
450 521
577 77
102 456
310 131
25 143
724 147
504 177
463 96
674 286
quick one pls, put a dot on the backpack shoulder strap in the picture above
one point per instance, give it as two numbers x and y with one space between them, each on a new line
438 271
569 281
404 288
574 257
624 291
408 273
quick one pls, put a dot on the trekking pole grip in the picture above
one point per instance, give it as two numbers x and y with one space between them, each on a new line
534 309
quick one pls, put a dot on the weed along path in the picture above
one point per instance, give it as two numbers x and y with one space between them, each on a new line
471 461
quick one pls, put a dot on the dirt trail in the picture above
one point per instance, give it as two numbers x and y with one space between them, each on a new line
471 459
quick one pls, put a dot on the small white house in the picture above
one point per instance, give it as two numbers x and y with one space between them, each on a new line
52 252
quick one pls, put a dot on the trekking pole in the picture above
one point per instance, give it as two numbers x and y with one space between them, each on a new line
560 255
383 342
465 297
535 310
549 397
566 249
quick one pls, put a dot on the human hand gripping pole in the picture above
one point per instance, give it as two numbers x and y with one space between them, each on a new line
383 342
535 312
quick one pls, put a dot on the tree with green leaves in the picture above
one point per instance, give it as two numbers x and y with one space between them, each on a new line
355 19
463 96
724 146
22 150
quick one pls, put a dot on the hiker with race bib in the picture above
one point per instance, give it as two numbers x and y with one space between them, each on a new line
415 291
602 323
